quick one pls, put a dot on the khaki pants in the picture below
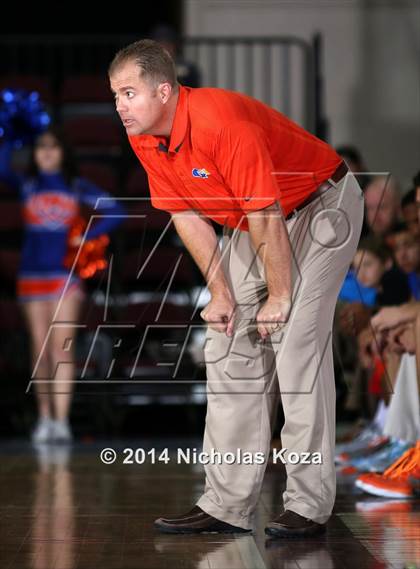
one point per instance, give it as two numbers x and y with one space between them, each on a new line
244 376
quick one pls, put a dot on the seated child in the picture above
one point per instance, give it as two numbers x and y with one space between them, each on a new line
406 249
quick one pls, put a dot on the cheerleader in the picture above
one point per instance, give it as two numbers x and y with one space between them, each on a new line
51 195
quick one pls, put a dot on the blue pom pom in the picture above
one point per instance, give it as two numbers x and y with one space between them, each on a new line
22 116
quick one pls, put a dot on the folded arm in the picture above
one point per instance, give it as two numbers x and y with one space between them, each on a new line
392 316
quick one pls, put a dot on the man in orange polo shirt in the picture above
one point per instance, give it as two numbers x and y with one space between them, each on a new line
290 233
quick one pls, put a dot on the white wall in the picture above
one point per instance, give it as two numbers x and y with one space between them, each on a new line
371 65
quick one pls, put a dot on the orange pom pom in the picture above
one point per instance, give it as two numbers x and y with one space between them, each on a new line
91 256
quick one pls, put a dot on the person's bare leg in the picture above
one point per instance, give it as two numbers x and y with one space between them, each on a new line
63 352
37 315
392 362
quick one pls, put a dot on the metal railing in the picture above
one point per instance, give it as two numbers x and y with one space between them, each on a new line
280 71
276 70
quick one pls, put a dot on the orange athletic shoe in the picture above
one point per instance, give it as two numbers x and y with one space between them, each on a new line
382 508
398 481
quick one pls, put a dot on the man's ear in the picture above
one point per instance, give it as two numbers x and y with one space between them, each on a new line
164 92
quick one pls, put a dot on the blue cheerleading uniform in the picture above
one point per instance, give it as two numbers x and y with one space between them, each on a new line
50 206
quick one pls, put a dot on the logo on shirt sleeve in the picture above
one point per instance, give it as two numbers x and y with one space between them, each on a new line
200 173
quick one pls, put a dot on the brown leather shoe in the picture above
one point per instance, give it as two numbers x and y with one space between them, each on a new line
290 524
195 521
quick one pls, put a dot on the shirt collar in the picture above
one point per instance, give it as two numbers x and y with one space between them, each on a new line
178 131
181 120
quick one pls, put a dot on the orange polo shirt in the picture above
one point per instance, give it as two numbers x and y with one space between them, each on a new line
229 154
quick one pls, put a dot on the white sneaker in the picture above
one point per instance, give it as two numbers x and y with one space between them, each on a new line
42 432
61 432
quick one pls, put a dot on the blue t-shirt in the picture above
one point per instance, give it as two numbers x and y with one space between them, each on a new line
414 283
394 289
353 291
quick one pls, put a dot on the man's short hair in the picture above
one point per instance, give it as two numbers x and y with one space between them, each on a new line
409 198
154 61
376 246
351 153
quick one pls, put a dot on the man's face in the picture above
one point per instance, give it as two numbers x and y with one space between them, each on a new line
411 218
406 251
137 101
381 208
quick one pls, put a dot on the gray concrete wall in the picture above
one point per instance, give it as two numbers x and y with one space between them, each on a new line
371 65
